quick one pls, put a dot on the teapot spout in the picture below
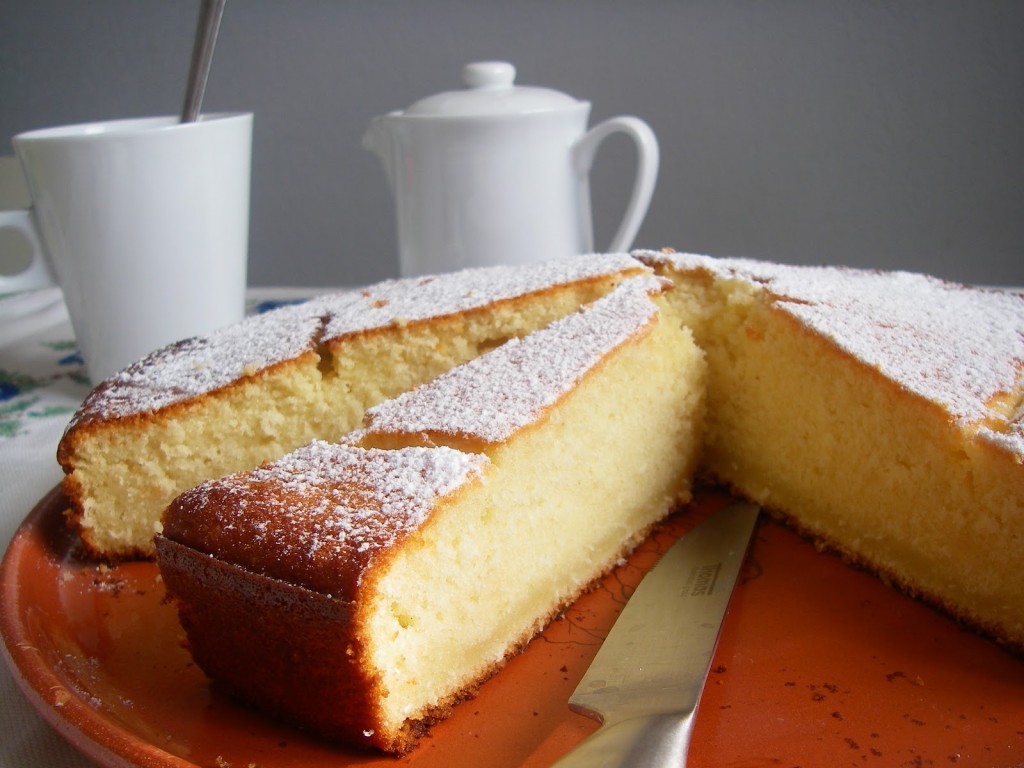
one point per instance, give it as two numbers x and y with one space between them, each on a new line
379 140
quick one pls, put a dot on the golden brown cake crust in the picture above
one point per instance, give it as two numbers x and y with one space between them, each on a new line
249 623
323 516
248 638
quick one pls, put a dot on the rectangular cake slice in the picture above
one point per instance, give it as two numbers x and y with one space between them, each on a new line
361 589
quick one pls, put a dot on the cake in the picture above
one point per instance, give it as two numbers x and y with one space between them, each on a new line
878 412
360 588
209 406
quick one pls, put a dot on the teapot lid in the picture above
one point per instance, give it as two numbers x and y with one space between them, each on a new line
490 90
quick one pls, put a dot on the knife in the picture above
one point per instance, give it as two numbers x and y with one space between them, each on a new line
646 680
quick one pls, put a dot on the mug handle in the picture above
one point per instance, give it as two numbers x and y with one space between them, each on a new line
646 172
36 274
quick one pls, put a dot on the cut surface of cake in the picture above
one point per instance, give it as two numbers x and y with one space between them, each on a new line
362 588
879 412
250 393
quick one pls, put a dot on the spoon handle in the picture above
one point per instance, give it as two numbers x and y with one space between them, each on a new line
202 57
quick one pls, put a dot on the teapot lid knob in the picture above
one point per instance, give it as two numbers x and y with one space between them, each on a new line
489 75
491 92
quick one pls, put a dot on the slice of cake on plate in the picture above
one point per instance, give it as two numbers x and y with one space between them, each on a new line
361 589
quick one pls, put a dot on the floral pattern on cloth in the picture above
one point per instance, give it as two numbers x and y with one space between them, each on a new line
24 395
42 384
42 376
47 379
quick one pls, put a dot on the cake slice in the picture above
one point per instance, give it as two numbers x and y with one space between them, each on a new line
205 407
362 589
879 412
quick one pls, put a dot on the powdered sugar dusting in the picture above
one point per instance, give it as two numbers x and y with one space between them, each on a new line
956 346
495 395
413 299
199 366
323 505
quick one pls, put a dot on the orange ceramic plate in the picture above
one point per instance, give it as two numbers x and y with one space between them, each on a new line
818 664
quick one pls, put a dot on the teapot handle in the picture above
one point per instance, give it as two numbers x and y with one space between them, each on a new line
646 172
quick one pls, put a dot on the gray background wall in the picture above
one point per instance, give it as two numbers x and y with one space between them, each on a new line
874 134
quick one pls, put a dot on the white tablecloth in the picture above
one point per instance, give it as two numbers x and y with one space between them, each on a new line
42 383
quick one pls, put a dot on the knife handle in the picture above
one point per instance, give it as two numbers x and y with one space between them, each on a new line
649 741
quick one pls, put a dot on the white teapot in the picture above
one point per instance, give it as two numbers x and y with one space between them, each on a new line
498 174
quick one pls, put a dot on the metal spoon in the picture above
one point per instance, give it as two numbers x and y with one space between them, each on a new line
202 57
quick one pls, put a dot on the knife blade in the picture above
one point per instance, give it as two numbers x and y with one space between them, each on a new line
644 685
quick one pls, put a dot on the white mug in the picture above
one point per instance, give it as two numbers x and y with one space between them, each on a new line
144 225
499 174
